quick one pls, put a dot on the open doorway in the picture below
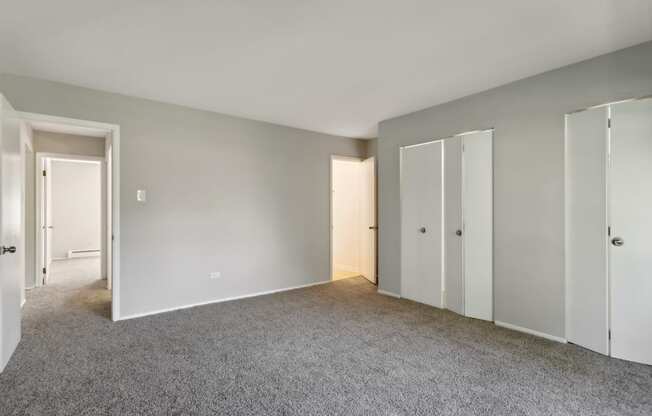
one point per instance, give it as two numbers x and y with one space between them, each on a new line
72 217
353 218
70 226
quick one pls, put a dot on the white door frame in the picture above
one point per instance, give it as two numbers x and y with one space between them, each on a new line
42 209
110 132
25 142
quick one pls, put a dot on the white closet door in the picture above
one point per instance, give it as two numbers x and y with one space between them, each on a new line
453 269
631 222
421 223
477 194
586 230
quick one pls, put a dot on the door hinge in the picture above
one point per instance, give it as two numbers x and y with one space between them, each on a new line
44 270
609 231
609 334
608 123
44 174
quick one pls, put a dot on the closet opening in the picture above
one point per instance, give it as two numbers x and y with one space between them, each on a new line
447 223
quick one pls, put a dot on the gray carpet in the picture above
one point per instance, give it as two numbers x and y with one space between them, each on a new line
335 349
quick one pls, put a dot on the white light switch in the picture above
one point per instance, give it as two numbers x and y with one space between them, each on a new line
141 195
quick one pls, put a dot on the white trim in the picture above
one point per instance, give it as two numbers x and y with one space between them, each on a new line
209 302
386 293
110 132
531 332
26 147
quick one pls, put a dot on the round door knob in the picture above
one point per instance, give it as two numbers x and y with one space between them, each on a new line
617 241
422 230
6 250
458 233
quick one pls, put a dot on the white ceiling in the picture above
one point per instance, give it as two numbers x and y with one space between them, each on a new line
334 66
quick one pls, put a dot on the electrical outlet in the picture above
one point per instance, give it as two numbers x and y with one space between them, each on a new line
214 275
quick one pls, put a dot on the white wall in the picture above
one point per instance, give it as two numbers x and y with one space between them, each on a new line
76 207
347 187
246 198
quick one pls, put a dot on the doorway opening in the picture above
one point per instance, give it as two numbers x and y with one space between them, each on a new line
353 218
70 223
71 218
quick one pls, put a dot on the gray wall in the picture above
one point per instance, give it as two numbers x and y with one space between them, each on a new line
246 198
528 116
48 142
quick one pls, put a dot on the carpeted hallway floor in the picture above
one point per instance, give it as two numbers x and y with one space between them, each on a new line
334 349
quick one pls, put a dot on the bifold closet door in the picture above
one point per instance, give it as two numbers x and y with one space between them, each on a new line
454 223
421 223
587 321
630 251
477 202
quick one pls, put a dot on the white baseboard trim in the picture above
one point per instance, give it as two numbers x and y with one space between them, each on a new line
386 293
176 308
531 332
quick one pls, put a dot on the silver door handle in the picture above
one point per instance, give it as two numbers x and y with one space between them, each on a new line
617 241
422 230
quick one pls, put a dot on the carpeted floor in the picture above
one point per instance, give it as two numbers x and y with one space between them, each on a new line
334 349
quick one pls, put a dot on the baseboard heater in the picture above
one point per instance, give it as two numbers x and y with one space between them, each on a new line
82 253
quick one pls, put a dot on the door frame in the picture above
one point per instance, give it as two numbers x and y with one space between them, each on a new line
332 159
111 133
25 142
42 208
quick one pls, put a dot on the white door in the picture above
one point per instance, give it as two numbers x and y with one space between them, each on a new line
368 223
630 251
108 255
47 228
587 322
422 223
477 194
454 267
10 229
